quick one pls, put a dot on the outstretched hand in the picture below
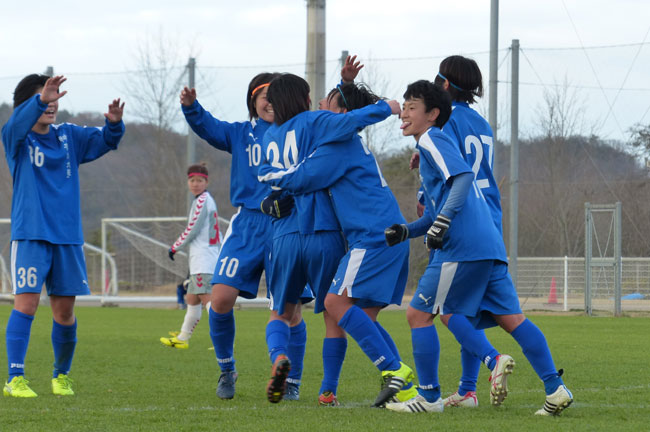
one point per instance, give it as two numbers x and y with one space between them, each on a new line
50 91
188 96
350 69
395 107
115 111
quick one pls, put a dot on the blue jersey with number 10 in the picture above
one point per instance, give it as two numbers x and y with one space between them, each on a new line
474 136
45 171
472 235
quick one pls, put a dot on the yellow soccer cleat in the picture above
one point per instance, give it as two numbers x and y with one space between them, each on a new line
174 342
393 380
62 385
404 395
18 387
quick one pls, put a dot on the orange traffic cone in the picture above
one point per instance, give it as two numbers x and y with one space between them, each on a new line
552 295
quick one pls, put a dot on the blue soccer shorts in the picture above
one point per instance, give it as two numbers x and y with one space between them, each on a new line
245 252
476 289
304 259
61 267
375 276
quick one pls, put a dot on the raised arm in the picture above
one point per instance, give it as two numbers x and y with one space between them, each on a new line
20 123
215 132
331 127
93 143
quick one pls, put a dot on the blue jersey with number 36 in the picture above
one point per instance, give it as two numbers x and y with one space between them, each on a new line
45 172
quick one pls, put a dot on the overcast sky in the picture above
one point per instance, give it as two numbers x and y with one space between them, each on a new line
94 43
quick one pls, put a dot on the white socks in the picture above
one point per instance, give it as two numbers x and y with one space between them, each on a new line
192 317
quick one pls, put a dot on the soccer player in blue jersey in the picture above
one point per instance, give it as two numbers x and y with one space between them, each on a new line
307 240
465 277
246 246
370 276
46 233
462 79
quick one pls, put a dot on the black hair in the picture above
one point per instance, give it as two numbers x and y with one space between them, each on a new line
199 168
353 96
27 87
433 96
258 80
289 95
464 76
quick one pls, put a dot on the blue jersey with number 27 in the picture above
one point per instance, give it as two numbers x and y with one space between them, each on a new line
472 234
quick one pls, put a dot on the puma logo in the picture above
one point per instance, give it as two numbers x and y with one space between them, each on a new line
425 299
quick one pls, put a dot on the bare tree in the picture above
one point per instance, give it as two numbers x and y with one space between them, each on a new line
152 93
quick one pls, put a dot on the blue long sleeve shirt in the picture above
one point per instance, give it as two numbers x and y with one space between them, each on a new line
45 172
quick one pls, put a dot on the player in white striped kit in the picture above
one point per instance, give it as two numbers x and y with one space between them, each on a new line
202 237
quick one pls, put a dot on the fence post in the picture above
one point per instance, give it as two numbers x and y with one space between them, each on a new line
566 283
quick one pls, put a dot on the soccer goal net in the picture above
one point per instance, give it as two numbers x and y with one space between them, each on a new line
139 248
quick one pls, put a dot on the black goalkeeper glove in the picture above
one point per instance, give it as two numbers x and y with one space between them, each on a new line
277 206
171 253
396 233
437 232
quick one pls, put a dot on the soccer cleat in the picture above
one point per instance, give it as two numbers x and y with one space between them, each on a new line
174 333
276 387
393 383
499 379
455 400
18 387
404 395
327 398
556 402
292 392
226 385
417 404
62 385
174 342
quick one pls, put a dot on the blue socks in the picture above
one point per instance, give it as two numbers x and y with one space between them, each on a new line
393 348
535 348
64 340
296 350
19 327
333 355
222 333
471 366
475 348
277 338
358 325
426 354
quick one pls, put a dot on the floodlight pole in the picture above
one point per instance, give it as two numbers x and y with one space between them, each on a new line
191 137
315 65
494 67
514 162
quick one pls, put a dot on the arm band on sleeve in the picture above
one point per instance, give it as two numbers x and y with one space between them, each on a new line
457 195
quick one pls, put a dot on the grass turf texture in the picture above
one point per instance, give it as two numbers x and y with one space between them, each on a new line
126 380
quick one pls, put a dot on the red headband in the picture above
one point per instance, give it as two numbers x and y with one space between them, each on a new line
259 87
197 174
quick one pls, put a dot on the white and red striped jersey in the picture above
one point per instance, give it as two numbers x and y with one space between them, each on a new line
201 235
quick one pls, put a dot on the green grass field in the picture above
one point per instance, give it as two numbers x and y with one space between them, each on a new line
126 380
